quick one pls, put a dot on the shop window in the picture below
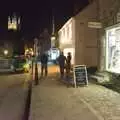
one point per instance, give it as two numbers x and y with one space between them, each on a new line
113 50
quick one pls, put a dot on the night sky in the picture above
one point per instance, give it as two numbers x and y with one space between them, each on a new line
37 14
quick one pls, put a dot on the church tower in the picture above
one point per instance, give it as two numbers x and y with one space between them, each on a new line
53 26
53 37
13 22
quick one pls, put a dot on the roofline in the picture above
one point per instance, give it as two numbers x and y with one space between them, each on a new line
112 26
72 18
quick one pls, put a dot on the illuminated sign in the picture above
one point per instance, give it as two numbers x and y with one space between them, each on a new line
94 25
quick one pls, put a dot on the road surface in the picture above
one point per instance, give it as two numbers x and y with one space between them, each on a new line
13 94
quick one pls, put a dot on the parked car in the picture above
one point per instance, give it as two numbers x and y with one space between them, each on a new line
20 64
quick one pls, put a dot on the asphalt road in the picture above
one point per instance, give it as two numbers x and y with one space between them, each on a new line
13 94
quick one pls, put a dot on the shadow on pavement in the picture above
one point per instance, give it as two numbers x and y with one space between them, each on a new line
54 80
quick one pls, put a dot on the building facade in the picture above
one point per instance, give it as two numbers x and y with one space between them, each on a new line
79 39
92 44
67 38
109 16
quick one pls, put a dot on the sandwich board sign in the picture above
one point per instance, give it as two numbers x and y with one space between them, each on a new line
80 75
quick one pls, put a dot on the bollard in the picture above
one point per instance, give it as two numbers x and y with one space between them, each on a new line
36 74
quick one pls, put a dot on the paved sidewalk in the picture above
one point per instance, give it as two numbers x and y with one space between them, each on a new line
52 100
104 102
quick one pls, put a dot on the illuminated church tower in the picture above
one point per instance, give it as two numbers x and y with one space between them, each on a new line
53 26
13 23
15 34
53 37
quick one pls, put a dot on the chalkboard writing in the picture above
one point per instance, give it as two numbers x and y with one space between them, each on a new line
80 74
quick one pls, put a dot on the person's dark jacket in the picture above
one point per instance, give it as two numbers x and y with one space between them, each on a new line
44 59
68 60
61 60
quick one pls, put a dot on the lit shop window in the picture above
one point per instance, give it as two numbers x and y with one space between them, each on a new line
113 50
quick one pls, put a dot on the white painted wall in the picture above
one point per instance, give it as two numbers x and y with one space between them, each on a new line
85 39
67 38
66 35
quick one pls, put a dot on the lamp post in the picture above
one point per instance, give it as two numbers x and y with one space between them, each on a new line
36 67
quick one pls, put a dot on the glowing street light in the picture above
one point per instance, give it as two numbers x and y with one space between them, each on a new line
53 41
5 52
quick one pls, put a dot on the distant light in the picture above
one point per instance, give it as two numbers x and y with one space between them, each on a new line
27 50
31 52
31 49
5 52
52 38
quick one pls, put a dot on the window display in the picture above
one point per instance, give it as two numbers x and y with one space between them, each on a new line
113 50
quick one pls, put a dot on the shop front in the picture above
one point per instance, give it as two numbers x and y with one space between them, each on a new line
113 49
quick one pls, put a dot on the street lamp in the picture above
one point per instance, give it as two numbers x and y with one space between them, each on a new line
5 52
36 68
53 41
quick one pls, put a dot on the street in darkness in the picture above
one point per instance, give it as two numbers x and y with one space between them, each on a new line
13 95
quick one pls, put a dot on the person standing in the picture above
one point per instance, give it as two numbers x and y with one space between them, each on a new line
44 62
61 61
68 64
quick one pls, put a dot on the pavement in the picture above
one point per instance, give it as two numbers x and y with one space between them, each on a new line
13 94
53 100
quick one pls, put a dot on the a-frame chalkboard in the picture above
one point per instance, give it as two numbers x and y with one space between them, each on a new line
80 75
